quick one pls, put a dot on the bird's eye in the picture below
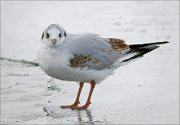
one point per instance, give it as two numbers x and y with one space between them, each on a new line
47 35
60 35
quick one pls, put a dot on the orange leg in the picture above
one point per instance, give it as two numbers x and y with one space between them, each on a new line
88 102
77 98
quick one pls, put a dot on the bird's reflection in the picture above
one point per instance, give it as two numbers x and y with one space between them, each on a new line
82 115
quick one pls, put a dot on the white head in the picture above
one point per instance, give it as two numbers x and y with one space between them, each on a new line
54 35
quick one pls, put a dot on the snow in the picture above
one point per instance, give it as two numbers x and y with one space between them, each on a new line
143 92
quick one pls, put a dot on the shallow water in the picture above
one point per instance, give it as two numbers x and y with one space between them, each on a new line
145 91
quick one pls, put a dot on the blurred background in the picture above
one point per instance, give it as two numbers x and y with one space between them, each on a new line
146 91
22 23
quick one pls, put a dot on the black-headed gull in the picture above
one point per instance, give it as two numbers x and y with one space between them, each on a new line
85 58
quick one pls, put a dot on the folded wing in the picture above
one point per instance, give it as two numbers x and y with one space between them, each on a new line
94 52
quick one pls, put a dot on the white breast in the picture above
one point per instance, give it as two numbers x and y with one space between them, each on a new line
51 60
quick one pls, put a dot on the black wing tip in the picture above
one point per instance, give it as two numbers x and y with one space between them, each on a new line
135 46
140 52
164 42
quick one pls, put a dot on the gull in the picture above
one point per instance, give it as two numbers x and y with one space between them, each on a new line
85 58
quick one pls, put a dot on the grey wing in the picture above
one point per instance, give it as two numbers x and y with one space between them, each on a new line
94 52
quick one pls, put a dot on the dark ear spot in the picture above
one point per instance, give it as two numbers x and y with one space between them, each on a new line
42 35
65 33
